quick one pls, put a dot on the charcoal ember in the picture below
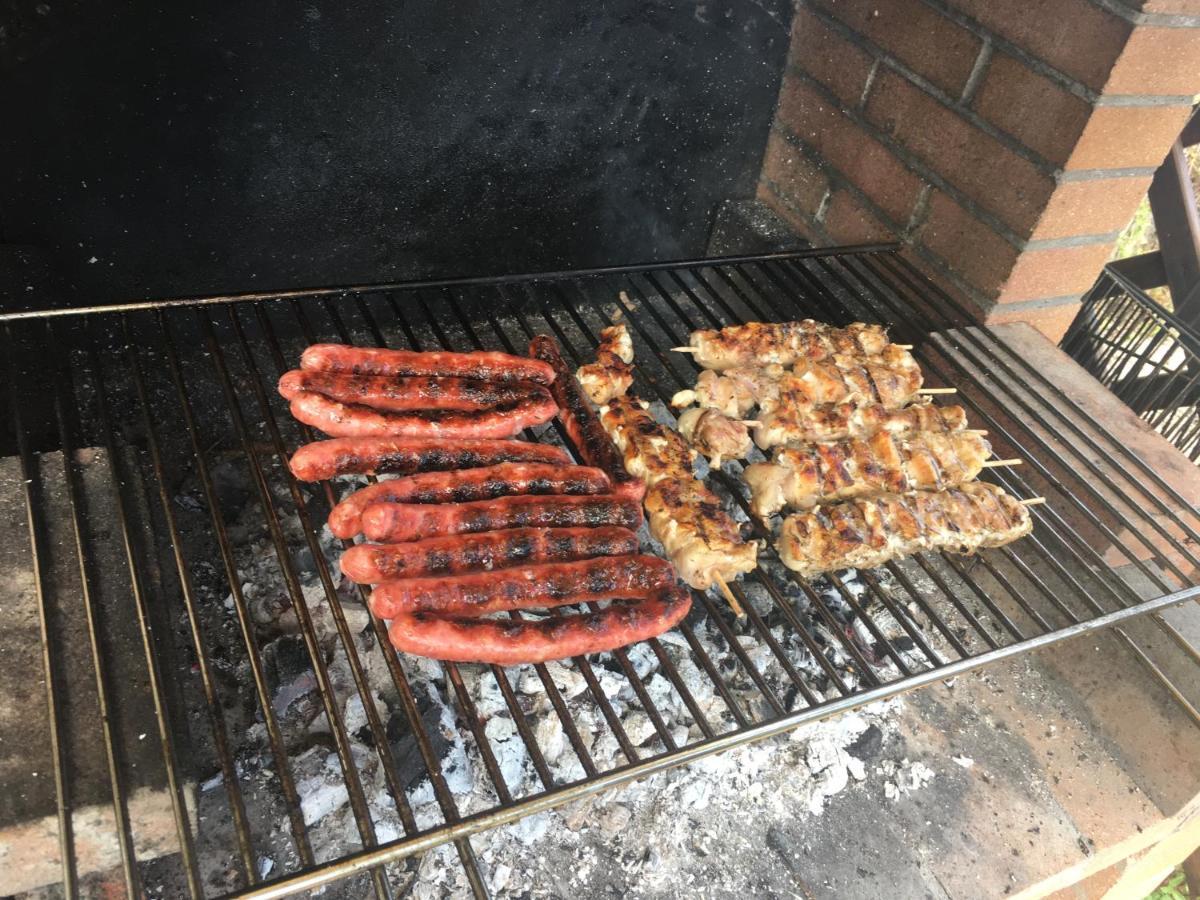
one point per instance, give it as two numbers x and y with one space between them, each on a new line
868 745
231 484
406 751
292 682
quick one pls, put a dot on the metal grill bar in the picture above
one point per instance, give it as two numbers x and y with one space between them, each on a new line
804 651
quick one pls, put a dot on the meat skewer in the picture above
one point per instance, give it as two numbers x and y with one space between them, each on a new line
783 343
401 394
538 586
322 460
465 486
866 533
582 424
346 420
805 476
374 563
483 365
396 522
509 642
612 373
841 421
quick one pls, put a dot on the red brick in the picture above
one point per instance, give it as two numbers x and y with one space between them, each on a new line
865 162
918 35
1032 108
1002 182
1054 273
1075 36
841 66
849 222
786 212
1052 321
1158 61
796 179
1094 206
968 247
1127 136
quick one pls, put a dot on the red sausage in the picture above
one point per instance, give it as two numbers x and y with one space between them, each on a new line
506 479
482 365
511 642
400 394
583 425
538 586
375 563
396 522
322 460
345 420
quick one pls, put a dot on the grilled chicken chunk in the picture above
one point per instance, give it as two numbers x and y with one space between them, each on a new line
652 451
715 434
805 476
734 392
868 532
612 373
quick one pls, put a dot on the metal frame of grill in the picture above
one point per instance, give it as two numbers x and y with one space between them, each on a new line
114 376
1148 357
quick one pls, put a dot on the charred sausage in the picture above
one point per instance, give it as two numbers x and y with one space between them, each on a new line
396 522
483 365
511 642
465 486
538 586
582 424
399 394
346 420
375 563
322 460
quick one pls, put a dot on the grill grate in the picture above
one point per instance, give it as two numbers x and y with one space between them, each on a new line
175 390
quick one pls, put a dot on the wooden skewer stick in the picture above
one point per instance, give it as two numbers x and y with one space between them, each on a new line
753 423
903 346
928 391
685 349
732 600
1033 501
996 463
975 431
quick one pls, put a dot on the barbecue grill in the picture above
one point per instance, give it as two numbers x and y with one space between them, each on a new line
119 406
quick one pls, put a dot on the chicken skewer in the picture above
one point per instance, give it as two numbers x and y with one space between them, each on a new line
783 343
805 476
865 533
612 373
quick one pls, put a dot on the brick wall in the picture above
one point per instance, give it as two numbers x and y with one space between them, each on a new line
1007 142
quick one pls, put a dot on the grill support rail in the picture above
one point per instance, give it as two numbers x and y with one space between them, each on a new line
158 385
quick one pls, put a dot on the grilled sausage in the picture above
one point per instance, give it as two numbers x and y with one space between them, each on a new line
322 460
583 425
484 365
345 420
399 394
375 563
503 480
511 642
397 522
538 586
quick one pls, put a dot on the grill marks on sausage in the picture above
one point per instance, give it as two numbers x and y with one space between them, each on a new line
510 642
468 485
351 420
322 460
483 365
401 393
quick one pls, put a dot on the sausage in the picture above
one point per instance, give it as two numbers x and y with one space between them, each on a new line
399 394
538 586
582 424
488 483
512 642
375 563
322 460
346 420
397 522
483 365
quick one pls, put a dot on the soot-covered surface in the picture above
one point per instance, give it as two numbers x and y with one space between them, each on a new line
178 148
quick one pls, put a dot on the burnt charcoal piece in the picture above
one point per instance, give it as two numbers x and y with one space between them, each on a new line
293 685
405 752
868 745
231 484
